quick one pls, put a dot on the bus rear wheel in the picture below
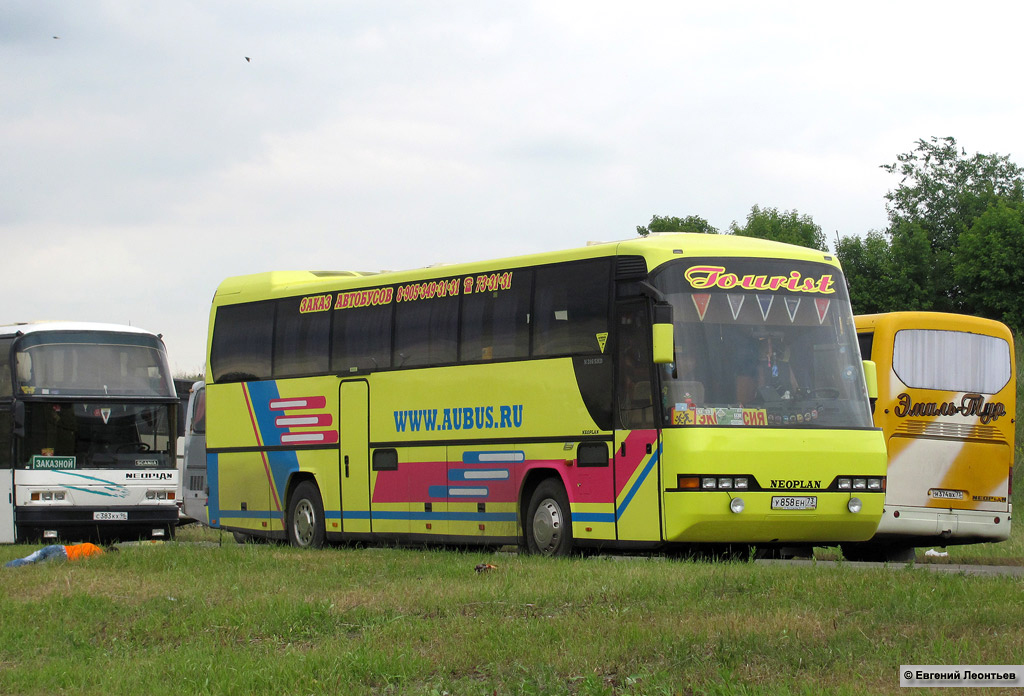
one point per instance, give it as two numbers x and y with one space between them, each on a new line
306 517
548 525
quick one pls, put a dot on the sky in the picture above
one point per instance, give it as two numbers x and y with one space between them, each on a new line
148 150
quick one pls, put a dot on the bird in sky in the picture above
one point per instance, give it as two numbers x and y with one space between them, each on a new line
247 59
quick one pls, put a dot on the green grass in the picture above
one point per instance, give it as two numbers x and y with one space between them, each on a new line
198 617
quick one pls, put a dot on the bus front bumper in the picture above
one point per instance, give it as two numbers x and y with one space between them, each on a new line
712 516
923 526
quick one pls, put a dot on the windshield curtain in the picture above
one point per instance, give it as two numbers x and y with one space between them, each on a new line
100 435
92 363
761 342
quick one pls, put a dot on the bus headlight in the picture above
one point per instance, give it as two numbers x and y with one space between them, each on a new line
854 505
736 505
844 484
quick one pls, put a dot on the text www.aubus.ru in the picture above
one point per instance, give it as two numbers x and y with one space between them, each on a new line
468 418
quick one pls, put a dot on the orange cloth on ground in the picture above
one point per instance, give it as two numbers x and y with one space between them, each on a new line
77 551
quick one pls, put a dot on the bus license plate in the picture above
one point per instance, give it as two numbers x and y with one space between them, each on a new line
110 516
794 502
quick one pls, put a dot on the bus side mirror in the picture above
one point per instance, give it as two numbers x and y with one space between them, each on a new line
871 379
19 419
663 334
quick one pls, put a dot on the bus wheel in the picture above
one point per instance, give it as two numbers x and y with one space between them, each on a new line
548 521
306 517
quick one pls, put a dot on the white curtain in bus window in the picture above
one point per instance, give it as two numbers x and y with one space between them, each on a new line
951 361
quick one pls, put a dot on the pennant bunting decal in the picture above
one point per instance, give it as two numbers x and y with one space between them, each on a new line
821 305
765 303
735 304
792 303
701 301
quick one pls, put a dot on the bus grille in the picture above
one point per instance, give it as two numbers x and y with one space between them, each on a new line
954 431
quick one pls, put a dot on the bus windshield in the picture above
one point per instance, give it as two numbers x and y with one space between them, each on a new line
101 435
761 342
92 363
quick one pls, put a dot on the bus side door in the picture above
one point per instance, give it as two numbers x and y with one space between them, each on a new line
7 533
355 453
637 441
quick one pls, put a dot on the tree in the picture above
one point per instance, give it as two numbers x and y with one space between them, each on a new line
989 264
789 227
690 223
944 192
867 264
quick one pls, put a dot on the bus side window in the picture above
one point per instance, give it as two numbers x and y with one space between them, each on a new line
426 332
865 340
301 340
571 308
496 324
242 342
362 339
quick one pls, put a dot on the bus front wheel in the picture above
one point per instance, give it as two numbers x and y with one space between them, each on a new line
306 517
548 521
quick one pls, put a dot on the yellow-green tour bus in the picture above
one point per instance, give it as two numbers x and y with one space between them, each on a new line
946 404
670 390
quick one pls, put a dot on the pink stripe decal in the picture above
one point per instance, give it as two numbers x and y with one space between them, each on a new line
327 437
298 402
317 419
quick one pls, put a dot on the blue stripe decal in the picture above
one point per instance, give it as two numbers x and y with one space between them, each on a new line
430 516
500 457
475 475
213 481
593 517
250 514
638 483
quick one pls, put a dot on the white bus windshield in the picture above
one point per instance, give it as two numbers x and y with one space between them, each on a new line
91 364
761 342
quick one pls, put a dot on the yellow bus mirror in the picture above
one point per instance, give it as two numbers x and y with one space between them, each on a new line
871 379
664 344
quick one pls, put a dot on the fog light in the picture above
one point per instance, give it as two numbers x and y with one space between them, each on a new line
854 505
736 505
50 534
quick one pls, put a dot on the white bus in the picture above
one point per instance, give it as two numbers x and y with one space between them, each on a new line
194 481
88 432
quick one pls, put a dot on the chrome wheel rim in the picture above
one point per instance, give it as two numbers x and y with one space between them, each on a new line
304 523
547 526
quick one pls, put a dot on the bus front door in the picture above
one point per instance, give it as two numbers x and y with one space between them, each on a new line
355 449
6 506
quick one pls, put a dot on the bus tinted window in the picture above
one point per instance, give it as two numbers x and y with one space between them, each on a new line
6 385
496 323
84 363
242 342
571 307
426 331
951 361
362 338
301 340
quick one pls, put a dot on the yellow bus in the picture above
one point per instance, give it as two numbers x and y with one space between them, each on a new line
947 400
671 390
